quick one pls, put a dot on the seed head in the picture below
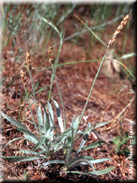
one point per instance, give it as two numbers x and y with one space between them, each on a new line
51 54
28 61
51 60
51 51
23 77
119 29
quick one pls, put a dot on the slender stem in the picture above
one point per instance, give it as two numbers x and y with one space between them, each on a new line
49 96
34 99
56 63
93 86
59 95
104 45
31 110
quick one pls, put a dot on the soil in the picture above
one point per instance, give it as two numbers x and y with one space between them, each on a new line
75 80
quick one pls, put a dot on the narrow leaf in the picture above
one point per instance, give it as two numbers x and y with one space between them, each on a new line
40 118
101 172
79 157
106 170
69 144
59 117
28 152
51 115
53 26
124 141
28 133
41 141
21 158
82 160
36 85
53 162
51 118
93 145
41 89
13 140
99 160
46 120
3 80
75 126
57 144
95 126
31 139
13 121
84 139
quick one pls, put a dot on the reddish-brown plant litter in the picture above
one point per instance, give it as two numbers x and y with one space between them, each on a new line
112 99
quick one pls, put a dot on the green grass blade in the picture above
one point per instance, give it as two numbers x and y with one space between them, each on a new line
3 80
96 36
41 89
36 85
124 141
68 63
66 14
53 26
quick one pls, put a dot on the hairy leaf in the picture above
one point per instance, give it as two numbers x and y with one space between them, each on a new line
14 122
101 172
53 162
59 117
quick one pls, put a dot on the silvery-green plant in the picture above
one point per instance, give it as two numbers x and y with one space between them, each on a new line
48 140
72 159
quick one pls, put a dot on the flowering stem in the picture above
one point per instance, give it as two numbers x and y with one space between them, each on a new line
34 98
56 63
93 85
30 109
